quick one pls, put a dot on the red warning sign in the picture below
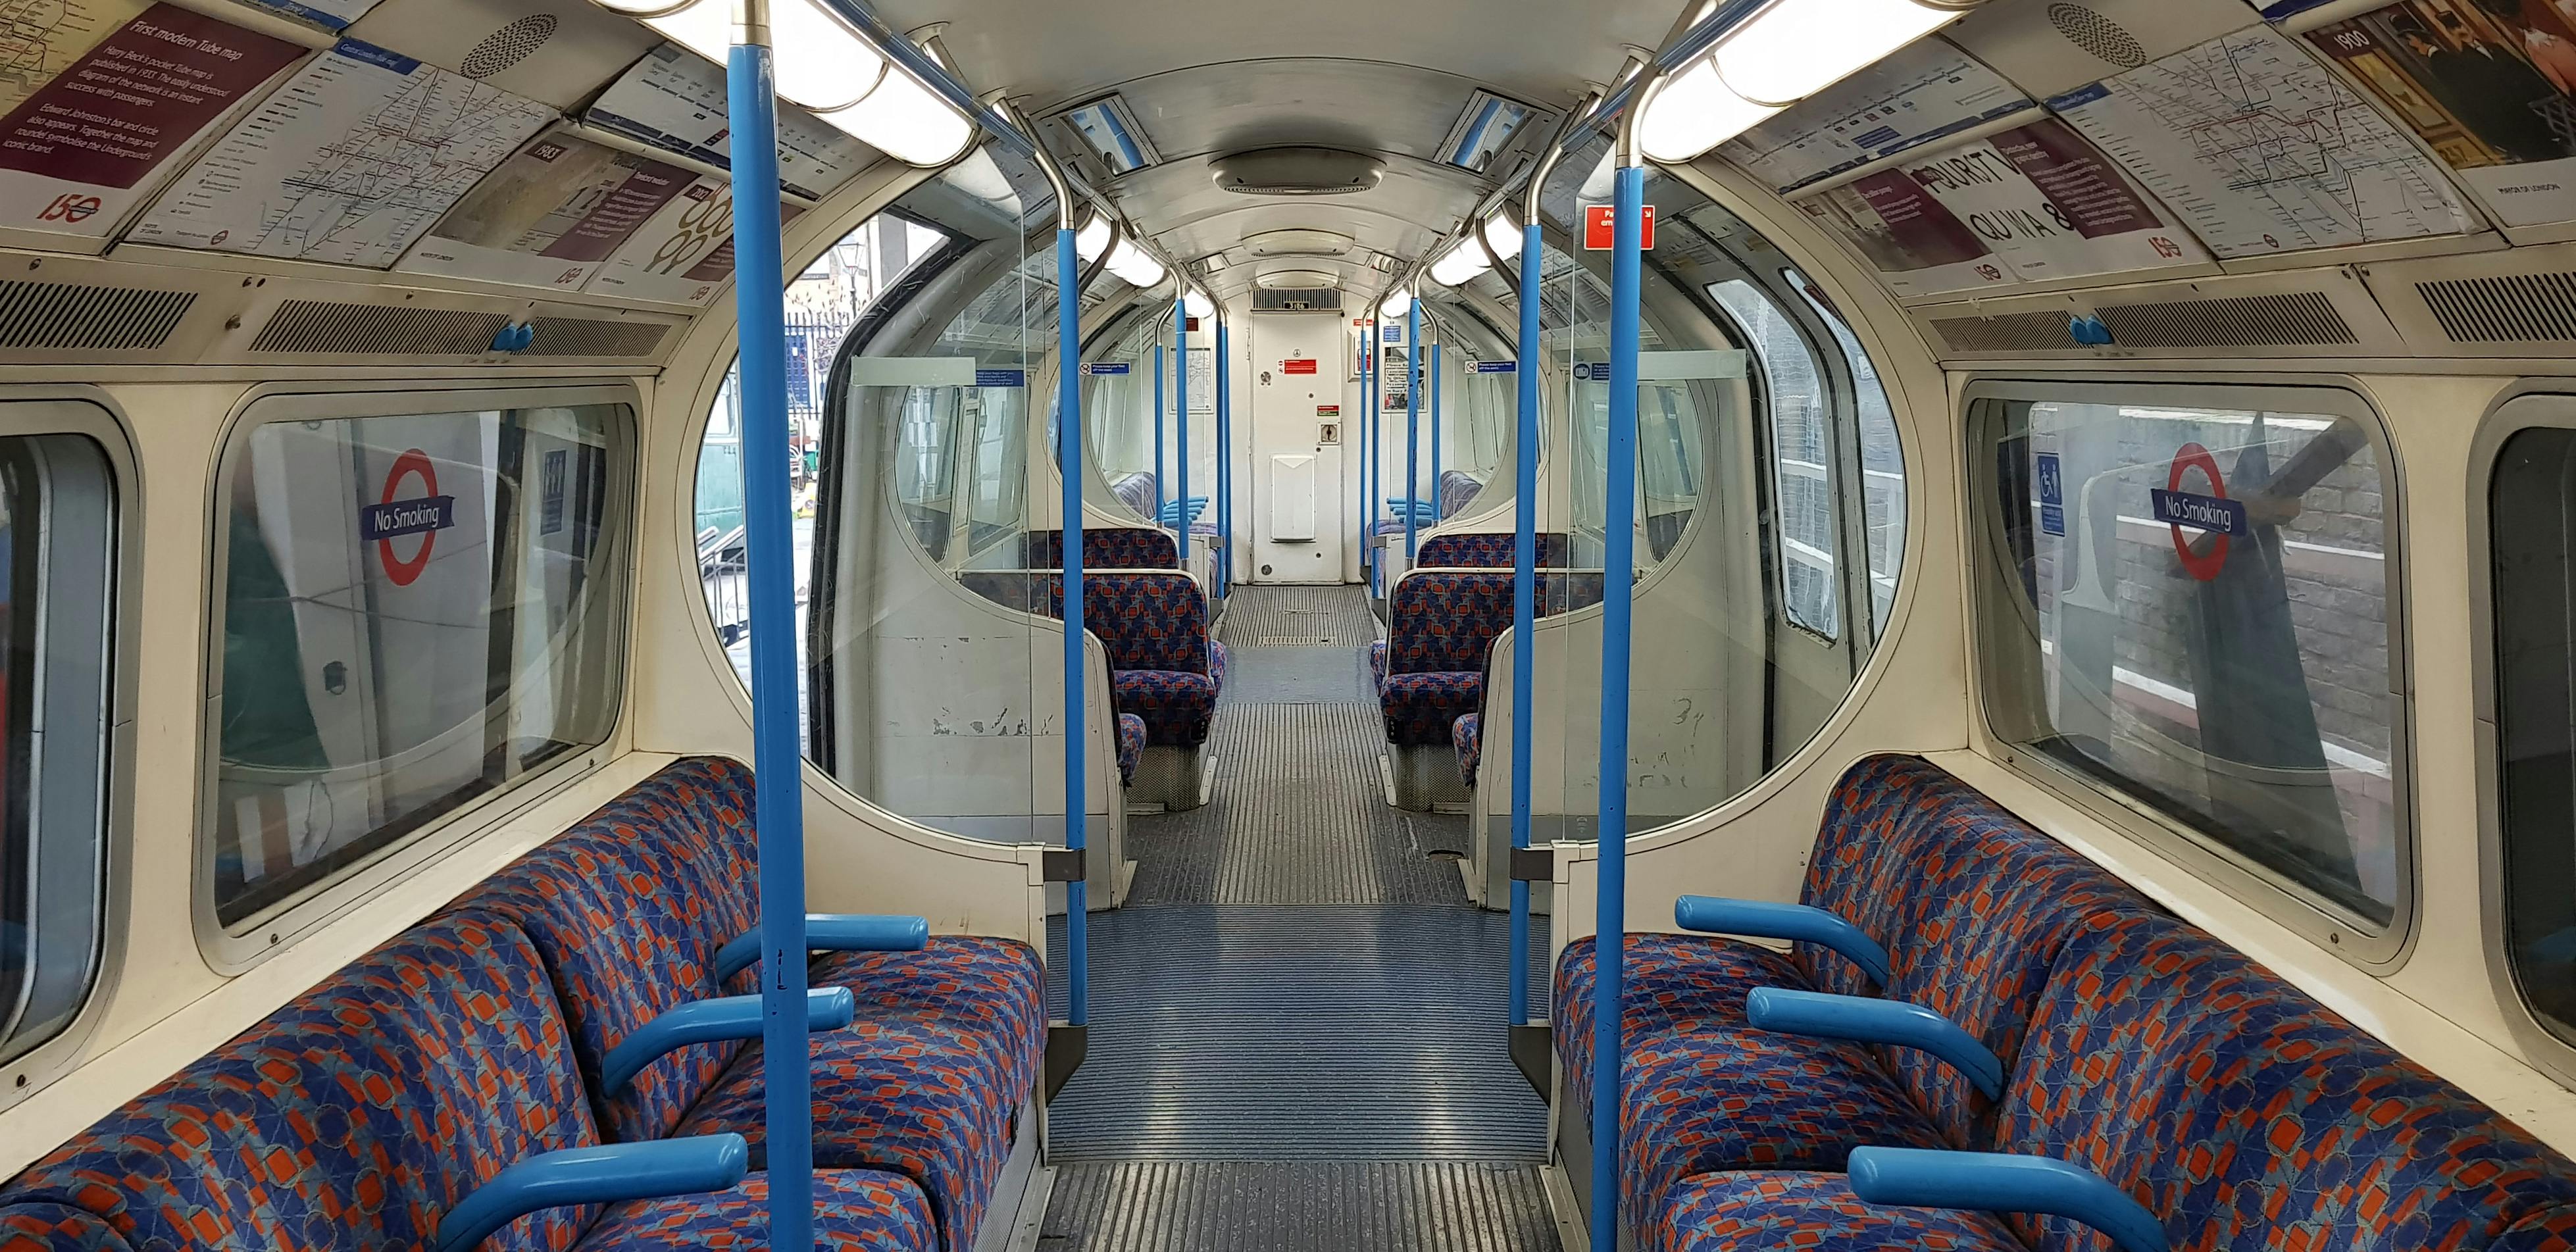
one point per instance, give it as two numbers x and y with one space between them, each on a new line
2218 518
1600 228
395 516
1306 366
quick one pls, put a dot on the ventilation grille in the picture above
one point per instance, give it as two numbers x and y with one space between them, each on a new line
2509 308
326 326
2012 332
2097 35
2292 319
69 317
575 336
1297 300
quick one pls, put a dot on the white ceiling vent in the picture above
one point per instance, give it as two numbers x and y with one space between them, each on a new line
1297 300
1297 172
2295 319
2508 308
1298 242
2011 332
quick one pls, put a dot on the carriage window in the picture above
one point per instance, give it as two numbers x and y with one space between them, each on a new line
2533 539
1882 459
1801 456
2190 608
57 522
417 611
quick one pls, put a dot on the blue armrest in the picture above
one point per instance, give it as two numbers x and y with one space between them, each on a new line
1863 1020
1996 1182
832 932
1763 919
595 1175
709 1021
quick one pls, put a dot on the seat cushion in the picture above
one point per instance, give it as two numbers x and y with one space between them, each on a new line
1776 1210
1419 708
1177 707
1131 745
49 1227
1377 665
855 1210
1467 735
1218 656
352 1119
1705 1100
1671 982
989 985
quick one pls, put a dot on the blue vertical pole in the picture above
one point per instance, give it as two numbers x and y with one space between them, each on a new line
1077 792
1370 486
778 760
1181 410
1158 433
1412 424
1524 599
1224 463
1610 931
1439 507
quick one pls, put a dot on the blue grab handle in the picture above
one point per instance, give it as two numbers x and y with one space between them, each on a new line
601 1174
1997 1182
832 932
1801 923
1864 1020
712 1021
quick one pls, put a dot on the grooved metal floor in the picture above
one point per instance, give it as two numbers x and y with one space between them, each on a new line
1297 617
1299 817
1343 1206
1297 1033
1296 1036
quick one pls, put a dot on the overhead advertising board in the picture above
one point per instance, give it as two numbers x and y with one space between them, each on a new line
557 51
2262 150
327 14
674 100
684 254
1923 92
351 161
550 216
2489 93
104 97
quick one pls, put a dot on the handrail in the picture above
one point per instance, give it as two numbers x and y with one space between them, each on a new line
1864 1020
598 1174
713 1021
1999 1182
1795 923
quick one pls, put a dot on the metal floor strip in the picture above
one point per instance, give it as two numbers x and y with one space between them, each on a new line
1296 1033
1299 816
1297 617
1342 1206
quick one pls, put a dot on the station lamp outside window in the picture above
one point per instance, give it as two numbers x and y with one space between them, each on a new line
826 68
1783 54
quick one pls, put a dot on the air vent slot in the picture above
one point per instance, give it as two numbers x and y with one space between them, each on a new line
1296 300
61 317
2011 332
2293 319
581 336
327 326
2508 308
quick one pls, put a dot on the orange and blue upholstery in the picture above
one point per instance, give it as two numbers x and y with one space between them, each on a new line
926 1082
362 1114
1430 669
1131 745
1163 667
1487 550
1467 734
1110 547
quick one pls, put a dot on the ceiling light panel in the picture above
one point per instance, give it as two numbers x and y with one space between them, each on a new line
1106 129
1484 130
1298 242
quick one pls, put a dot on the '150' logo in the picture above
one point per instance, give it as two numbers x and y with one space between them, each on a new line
69 207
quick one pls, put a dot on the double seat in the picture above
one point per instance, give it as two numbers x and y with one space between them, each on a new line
578 998
1429 672
1980 1041
1107 547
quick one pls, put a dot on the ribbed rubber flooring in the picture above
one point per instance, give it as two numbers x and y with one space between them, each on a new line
1299 816
1346 1206
1297 617
1297 1023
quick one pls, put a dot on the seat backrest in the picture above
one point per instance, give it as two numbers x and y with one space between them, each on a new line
628 909
1145 621
352 1119
1136 491
1444 620
1972 904
2251 1119
1457 490
1485 550
1114 547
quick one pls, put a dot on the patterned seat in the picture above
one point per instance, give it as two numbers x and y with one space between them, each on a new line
1431 669
1488 550
1467 734
1973 907
1163 667
1131 745
1456 491
360 1114
1114 547
660 879
1756 1211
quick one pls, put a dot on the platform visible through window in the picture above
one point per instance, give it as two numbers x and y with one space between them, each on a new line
2192 609
416 611
58 523
2532 520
